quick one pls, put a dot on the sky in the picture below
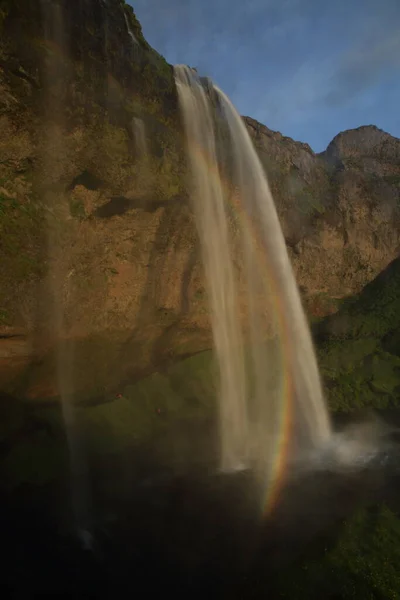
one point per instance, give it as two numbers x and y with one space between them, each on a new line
306 68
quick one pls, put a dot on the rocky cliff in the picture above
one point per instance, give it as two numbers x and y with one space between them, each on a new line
340 210
97 242
99 253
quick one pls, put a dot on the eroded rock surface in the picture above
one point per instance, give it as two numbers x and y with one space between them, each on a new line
97 240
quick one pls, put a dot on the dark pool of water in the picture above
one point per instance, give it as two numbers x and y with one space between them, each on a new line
186 532
191 536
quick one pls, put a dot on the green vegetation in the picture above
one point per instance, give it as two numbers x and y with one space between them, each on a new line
77 209
359 353
185 391
319 305
90 129
21 221
4 317
359 347
158 175
361 565
154 77
33 435
135 25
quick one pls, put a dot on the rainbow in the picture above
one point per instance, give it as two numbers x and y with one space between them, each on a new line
275 478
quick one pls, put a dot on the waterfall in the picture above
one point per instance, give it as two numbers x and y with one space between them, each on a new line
270 390
211 219
129 30
139 132
52 169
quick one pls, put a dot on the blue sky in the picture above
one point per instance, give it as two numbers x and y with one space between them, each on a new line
306 68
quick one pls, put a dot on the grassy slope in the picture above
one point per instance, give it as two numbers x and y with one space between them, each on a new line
33 437
359 347
361 565
359 354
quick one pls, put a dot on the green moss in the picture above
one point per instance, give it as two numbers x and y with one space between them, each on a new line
135 25
112 426
168 174
344 357
4 317
146 408
142 413
195 379
359 374
319 305
77 209
358 348
21 231
159 174
154 75
363 563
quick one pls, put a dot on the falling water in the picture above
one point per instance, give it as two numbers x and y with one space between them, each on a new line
128 27
258 202
53 155
139 132
211 218
283 374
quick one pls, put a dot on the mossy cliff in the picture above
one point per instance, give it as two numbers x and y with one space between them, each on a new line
100 256
359 347
358 352
360 564
161 416
98 244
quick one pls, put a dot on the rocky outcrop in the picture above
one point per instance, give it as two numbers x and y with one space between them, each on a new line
97 241
367 147
100 267
340 210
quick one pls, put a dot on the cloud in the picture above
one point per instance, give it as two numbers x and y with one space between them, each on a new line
305 67
363 66
321 85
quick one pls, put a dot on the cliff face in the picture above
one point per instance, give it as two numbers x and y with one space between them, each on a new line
97 242
99 253
340 210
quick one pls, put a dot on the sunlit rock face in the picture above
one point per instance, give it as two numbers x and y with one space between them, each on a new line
95 228
339 209
103 290
100 232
